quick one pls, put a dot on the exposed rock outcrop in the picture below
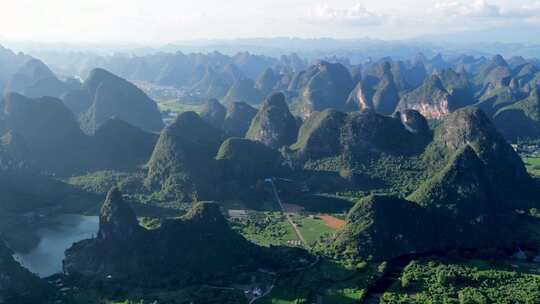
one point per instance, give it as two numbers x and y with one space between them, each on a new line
431 99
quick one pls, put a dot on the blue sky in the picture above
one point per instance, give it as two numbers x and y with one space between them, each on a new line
163 21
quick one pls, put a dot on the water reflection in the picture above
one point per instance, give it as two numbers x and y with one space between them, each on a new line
46 258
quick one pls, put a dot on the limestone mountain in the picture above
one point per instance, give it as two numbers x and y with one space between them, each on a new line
461 200
521 119
244 90
385 97
213 112
10 62
377 91
324 85
238 118
516 61
216 82
49 130
384 227
458 86
43 133
78 101
492 101
526 72
356 73
431 99
121 146
236 155
181 165
196 248
438 62
112 96
407 77
467 64
504 168
34 76
50 86
416 74
476 183
494 74
360 97
274 125
117 221
360 134
267 81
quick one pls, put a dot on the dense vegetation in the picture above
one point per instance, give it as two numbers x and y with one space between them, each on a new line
383 161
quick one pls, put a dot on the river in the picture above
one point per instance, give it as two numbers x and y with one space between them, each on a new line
46 258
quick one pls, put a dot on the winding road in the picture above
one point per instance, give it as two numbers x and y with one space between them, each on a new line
287 215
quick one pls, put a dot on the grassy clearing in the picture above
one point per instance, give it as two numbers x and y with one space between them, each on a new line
312 227
533 165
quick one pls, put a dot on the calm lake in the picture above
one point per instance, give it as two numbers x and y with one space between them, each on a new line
46 258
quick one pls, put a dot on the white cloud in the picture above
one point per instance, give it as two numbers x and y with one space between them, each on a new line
483 9
464 15
356 15
474 8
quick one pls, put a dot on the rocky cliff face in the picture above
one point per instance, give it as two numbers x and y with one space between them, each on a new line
377 91
414 122
274 125
458 86
360 97
430 99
